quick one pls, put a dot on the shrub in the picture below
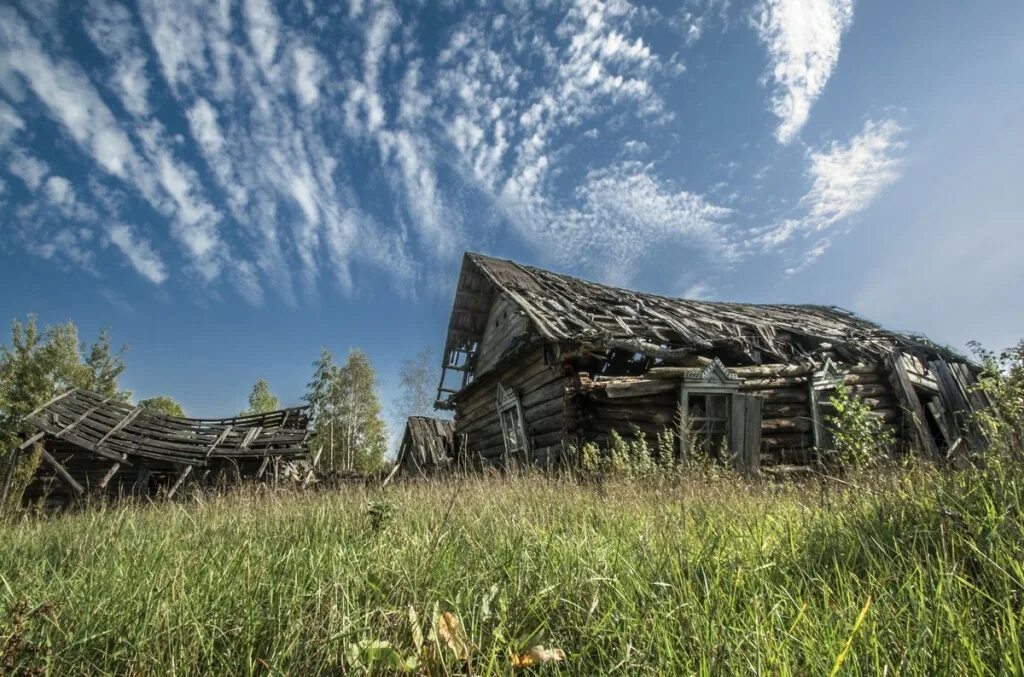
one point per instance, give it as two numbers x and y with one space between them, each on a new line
859 438
1002 380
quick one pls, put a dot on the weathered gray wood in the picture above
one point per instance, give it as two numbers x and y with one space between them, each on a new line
9 475
911 404
109 476
129 417
62 473
180 481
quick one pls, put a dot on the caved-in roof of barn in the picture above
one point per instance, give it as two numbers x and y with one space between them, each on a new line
568 309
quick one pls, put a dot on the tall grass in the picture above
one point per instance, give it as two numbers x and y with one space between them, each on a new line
921 572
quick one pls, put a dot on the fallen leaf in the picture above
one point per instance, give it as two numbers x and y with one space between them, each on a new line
450 631
537 655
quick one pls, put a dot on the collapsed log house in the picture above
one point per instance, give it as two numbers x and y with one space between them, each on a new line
428 444
91 444
536 363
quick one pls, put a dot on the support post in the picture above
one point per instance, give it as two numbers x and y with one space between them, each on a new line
62 472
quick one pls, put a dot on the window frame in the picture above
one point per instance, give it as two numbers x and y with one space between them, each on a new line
508 402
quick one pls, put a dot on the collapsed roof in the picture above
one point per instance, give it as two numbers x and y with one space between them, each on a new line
427 442
566 309
99 431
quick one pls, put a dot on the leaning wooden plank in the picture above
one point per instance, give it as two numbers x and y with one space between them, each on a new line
54 400
15 455
911 404
78 421
120 426
220 438
109 476
181 480
30 441
64 475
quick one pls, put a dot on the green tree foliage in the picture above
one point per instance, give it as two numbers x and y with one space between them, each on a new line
859 438
346 413
38 365
261 400
162 404
1002 380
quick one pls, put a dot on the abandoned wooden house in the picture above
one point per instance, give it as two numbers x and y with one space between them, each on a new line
427 445
536 363
91 444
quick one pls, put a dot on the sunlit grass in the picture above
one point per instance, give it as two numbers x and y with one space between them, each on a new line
697 576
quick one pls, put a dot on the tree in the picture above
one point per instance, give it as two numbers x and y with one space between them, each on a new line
261 400
162 404
39 365
346 412
416 378
102 368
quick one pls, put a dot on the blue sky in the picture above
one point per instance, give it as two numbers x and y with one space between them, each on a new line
231 185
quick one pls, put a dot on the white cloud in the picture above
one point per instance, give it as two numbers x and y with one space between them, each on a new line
59 191
28 168
803 40
139 252
10 123
845 179
202 119
110 27
309 71
263 29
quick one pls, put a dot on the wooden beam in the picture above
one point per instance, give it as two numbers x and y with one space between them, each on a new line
220 438
109 476
15 455
74 424
120 426
62 472
181 480
54 400
911 404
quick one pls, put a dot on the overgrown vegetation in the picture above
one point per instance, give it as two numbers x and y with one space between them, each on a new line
858 439
914 573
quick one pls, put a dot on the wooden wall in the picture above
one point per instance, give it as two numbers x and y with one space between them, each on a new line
505 324
542 391
787 434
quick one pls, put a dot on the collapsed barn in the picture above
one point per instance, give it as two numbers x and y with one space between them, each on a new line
537 363
90 444
428 444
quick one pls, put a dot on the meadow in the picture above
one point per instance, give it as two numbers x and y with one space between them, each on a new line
913 571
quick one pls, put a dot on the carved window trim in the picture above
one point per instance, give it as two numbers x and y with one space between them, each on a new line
513 425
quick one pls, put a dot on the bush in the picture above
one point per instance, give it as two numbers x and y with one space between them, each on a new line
1002 380
859 439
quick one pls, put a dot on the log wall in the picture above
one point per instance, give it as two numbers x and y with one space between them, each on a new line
650 403
542 393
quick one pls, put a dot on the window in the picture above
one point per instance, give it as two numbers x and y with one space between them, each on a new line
821 386
510 412
719 417
708 417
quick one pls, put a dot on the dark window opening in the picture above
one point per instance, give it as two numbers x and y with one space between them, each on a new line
708 419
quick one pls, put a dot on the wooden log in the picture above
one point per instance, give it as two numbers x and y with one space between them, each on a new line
62 473
788 395
786 425
181 480
910 402
638 388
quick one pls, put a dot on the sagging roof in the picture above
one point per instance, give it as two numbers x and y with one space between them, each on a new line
427 442
562 308
119 431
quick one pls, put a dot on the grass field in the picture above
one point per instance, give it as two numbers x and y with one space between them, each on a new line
918 572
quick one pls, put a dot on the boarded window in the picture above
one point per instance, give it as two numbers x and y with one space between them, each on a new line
513 430
820 388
